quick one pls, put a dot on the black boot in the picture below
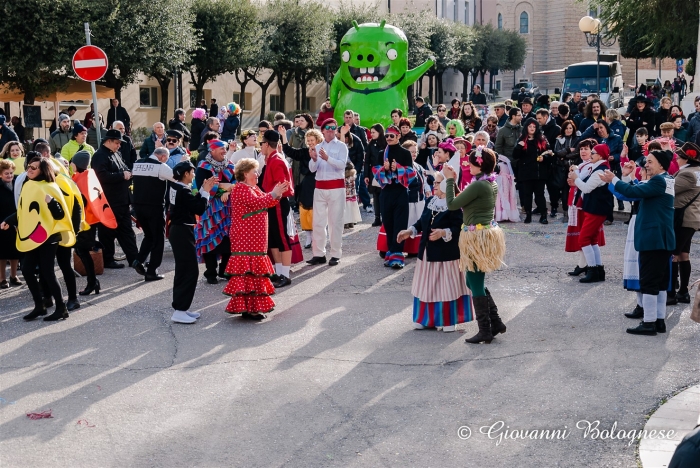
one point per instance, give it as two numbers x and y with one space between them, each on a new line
637 313
497 325
644 328
671 298
683 297
578 270
528 218
61 313
91 286
592 275
543 219
674 276
38 311
601 273
72 304
377 222
481 310
660 326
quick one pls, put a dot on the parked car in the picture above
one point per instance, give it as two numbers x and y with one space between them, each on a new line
530 87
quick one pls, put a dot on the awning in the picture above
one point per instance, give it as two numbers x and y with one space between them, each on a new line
548 72
77 90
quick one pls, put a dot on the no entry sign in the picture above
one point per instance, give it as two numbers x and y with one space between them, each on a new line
90 63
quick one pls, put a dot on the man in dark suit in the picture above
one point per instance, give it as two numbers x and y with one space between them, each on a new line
214 108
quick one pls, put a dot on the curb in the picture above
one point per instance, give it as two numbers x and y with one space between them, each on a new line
681 414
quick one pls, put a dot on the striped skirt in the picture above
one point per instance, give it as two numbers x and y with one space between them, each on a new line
441 295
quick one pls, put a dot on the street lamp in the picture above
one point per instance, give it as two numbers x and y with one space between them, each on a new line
595 37
329 53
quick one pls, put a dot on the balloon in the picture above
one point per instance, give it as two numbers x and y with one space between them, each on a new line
373 77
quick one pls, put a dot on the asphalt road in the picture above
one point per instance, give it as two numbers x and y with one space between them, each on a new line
337 376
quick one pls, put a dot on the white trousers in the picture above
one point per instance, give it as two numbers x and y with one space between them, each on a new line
329 210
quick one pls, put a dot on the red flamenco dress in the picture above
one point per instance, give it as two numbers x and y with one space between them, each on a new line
249 267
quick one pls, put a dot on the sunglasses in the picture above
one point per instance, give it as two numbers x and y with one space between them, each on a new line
33 167
330 127
172 140
391 135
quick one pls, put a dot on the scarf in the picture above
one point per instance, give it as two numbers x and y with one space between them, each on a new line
216 166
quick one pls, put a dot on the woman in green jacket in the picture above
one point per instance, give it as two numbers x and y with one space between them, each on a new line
482 243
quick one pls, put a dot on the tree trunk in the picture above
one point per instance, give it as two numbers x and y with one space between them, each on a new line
263 88
243 84
438 88
298 90
282 83
465 84
164 83
420 86
411 101
303 84
199 83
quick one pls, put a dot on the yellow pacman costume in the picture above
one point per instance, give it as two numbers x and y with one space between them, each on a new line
35 223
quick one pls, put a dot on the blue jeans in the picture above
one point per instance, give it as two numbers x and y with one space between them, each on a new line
362 192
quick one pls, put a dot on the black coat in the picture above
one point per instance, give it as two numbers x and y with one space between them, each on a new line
637 119
7 135
356 152
109 168
8 249
118 113
528 167
551 131
197 126
422 113
360 133
305 196
176 124
128 152
375 157
439 250
477 98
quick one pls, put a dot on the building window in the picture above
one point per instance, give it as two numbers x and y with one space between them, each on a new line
148 97
498 85
500 21
275 102
245 101
524 23
193 98
466 13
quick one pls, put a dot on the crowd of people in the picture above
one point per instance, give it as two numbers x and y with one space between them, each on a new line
437 186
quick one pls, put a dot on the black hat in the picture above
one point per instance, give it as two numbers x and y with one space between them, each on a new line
271 137
690 152
174 133
527 100
78 128
181 168
113 135
81 159
664 157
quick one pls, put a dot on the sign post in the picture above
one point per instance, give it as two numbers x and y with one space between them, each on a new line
90 64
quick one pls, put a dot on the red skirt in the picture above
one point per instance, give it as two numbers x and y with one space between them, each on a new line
573 232
249 284
410 246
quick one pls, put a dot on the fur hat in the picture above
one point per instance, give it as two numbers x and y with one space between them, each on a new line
666 126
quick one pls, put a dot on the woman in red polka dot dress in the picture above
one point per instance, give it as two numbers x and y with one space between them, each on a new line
249 268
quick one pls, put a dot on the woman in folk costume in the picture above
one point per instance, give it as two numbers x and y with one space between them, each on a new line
630 268
42 222
97 210
482 243
596 208
506 202
250 268
394 178
440 294
464 147
352 209
183 207
573 228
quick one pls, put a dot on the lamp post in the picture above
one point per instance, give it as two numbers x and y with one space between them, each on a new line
591 27
329 53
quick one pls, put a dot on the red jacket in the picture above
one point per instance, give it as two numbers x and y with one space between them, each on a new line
323 115
276 172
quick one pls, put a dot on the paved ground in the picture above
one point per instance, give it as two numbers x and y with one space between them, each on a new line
337 376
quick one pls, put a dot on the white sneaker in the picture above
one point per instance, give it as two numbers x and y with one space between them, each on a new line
448 329
195 315
182 317
418 326
369 209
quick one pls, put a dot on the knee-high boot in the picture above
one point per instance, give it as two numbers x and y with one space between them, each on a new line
481 310
497 325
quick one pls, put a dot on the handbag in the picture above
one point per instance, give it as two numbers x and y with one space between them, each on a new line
695 313
679 213
97 260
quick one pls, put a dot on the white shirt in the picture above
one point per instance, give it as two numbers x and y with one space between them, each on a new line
162 170
248 152
334 168
594 181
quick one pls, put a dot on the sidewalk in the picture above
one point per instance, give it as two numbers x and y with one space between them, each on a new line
681 413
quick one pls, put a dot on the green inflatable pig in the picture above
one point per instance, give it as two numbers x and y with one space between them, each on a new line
374 75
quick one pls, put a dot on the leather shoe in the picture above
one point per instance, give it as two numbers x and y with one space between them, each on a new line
578 270
283 281
376 223
316 261
138 266
72 305
153 277
637 313
212 280
333 261
48 302
114 265
671 300
683 298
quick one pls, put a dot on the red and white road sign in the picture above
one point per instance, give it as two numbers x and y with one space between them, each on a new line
90 63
